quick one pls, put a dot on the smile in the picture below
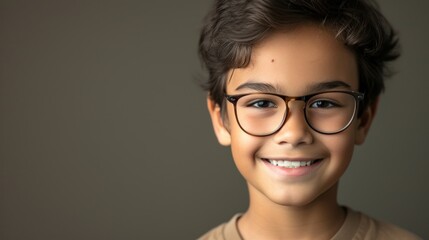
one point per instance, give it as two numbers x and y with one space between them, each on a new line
291 164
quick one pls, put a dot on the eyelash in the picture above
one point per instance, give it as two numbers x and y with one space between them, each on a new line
257 102
331 103
313 104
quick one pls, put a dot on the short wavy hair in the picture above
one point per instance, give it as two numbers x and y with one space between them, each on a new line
233 27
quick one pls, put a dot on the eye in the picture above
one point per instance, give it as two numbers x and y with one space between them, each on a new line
323 104
262 104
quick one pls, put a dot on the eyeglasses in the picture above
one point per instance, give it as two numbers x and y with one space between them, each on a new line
263 114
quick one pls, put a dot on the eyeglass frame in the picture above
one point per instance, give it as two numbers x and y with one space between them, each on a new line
358 96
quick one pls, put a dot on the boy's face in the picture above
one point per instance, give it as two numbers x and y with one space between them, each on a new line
302 61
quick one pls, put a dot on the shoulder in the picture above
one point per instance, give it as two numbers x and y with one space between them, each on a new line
227 230
370 228
384 230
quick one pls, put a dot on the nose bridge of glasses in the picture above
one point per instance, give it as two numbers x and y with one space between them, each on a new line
297 101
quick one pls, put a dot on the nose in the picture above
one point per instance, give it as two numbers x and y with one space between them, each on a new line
295 130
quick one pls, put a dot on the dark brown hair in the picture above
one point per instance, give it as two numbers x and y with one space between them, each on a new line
233 27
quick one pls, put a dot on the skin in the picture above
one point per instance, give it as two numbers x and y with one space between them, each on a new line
296 62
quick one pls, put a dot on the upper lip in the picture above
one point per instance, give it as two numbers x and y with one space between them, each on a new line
294 159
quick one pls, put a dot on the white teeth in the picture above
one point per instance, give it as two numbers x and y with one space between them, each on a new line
291 164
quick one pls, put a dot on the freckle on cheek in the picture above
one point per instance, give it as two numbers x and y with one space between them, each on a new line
272 60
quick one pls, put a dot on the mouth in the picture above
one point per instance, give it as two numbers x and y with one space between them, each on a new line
291 164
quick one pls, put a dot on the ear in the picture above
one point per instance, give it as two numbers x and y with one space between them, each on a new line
220 130
364 122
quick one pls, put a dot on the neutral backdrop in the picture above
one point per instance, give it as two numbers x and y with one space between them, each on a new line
104 132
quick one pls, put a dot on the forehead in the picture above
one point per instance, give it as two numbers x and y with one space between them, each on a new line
297 59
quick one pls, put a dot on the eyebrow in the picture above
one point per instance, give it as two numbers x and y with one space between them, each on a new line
258 86
318 87
323 86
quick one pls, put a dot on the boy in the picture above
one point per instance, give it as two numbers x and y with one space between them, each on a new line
293 86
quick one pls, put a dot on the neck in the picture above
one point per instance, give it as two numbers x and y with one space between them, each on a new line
320 219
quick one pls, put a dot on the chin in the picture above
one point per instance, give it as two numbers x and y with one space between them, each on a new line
293 201
289 198
300 198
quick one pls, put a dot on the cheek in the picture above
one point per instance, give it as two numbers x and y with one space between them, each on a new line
341 148
244 148
243 145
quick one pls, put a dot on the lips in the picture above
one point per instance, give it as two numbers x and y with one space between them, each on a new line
291 164
292 169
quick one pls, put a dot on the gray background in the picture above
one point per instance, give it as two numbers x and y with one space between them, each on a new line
104 132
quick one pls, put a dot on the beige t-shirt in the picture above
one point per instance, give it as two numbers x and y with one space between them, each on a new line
357 226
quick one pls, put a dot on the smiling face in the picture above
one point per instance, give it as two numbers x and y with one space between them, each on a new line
295 165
